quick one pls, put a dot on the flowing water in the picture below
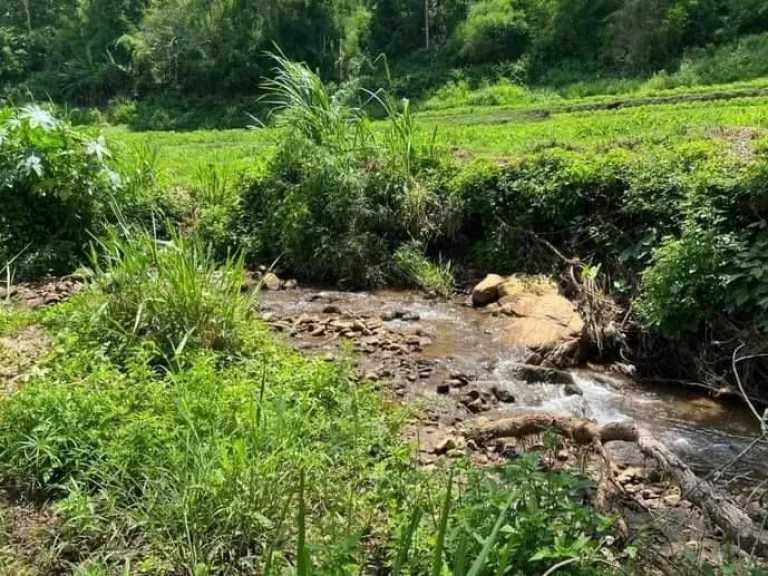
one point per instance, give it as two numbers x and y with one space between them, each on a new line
707 433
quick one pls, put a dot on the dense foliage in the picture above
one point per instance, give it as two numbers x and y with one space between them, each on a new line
89 51
55 185
338 198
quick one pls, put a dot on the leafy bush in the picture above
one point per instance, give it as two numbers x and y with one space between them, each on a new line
493 30
216 209
541 521
338 198
54 186
686 282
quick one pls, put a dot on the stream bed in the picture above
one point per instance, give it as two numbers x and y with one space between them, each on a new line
457 338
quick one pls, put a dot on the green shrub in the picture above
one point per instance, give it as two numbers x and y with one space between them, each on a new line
169 297
216 209
338 198
685 283
542 521
54 186
493 30
142 199
120 111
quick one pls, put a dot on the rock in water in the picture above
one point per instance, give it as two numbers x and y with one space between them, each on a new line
271 281
487 291
542 320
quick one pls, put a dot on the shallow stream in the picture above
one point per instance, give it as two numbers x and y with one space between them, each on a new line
707 433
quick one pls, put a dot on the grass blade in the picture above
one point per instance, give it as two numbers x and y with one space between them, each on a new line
479 563
437 563
304 565
406 538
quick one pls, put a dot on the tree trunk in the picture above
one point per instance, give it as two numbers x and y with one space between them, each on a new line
28 15
720 507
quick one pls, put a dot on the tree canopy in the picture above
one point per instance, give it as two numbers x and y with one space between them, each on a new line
87 51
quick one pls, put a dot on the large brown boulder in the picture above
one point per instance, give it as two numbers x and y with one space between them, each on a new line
486 292
542 320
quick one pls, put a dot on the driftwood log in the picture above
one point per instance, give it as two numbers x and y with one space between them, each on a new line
721 508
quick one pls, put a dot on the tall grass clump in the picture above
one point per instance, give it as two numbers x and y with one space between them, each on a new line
169 295
418 270
339 197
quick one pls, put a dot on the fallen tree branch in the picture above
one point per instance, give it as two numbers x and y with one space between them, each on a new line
720 508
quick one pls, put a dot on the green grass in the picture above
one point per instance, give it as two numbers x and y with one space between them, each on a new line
492 132
183 153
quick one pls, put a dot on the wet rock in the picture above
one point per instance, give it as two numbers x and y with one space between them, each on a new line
304 319
291 284
389 315
36 302
671 500
518 284
542 318
51 299
270 281
410 317
6 293
460 377
755 511
572 389
530 373
508 451
476 406
445 445
318 330
630 475
533 358
456 383
331 309
503 395
650 493
565 354
487 290
563 455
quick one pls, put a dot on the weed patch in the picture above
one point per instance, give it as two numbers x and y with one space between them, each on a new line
169 296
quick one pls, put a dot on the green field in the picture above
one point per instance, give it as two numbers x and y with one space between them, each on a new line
495 132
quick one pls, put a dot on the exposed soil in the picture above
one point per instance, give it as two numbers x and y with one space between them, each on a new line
19 355
43 292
